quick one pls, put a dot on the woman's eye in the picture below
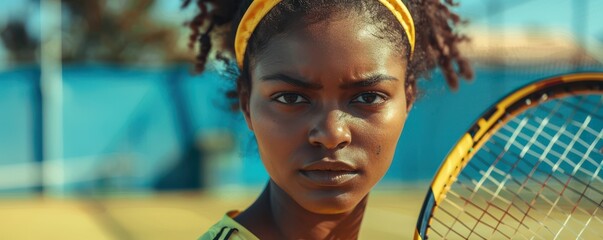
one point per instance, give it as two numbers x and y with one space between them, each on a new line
369 98
290 98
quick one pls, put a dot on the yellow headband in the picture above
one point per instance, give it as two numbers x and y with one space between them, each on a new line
260 8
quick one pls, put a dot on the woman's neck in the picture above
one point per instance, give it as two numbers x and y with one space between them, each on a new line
274 215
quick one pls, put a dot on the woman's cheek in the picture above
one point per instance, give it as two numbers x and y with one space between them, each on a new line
382 132
278 133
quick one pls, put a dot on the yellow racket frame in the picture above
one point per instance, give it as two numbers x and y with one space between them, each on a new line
473 139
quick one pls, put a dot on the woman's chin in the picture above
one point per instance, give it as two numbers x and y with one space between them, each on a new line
329 205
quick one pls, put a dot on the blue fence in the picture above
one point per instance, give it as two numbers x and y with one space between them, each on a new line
148 129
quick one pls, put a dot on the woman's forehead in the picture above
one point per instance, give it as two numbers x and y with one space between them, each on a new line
347 45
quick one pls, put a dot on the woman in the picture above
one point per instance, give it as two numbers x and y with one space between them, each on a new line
326 86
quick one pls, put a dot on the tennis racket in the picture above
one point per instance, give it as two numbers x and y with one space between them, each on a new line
529 168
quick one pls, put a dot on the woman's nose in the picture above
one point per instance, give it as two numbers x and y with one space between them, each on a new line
330 130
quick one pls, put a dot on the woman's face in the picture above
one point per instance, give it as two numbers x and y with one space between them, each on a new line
327 106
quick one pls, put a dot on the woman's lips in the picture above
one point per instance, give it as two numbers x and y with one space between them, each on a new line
328 172
329 178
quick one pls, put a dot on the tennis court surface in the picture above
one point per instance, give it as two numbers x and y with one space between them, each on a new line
391 214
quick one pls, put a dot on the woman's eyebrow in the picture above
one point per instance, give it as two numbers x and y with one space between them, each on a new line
291 80
368 81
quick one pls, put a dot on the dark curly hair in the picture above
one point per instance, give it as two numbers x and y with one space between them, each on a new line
437 45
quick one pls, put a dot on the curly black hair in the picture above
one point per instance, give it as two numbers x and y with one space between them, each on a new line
437 44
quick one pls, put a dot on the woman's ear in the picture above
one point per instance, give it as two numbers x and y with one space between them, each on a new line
244 105
410 98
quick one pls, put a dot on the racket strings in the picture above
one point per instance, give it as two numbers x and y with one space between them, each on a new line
576 124
451 229
511 208
575 138
553 139
583 109
488 176
577 166
512 203
565 186
483 210
495 195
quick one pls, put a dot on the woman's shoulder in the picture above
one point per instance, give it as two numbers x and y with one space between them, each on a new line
228 229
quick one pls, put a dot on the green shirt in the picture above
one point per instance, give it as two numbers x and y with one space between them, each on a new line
228 229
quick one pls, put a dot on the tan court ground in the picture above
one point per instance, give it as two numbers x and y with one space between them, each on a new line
391 214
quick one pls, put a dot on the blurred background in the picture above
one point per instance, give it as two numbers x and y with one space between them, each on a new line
105 133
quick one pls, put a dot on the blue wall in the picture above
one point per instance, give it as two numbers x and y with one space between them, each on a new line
127 129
